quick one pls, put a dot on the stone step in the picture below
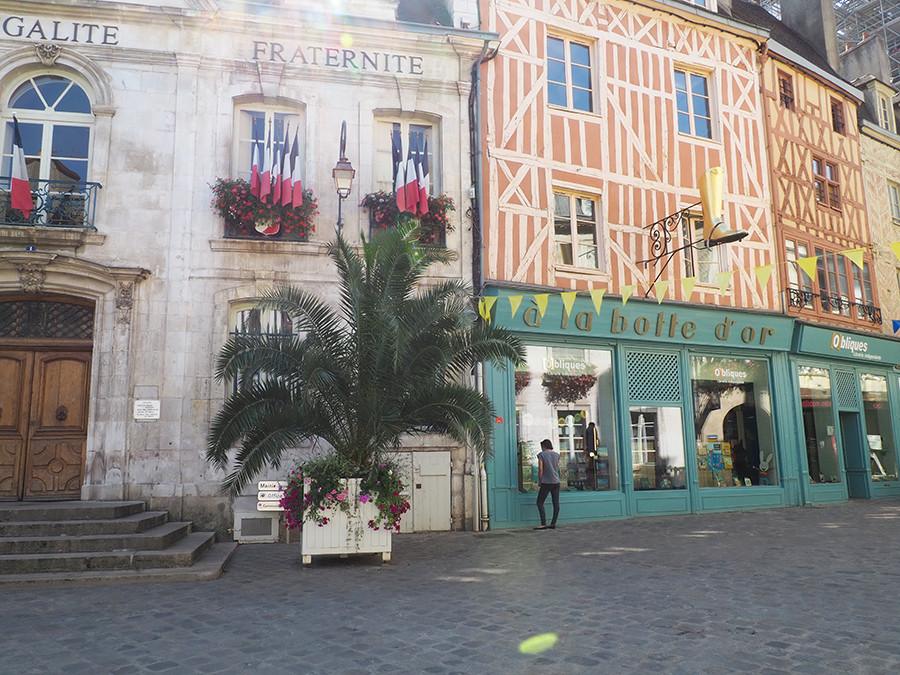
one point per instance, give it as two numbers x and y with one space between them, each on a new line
181 554
209 566
68 510
154 539
137 522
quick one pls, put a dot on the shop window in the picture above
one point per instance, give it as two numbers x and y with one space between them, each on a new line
692 99
566 395
894 196
786 90
797 281
837 117
700 260
253 320
55 121
879 427
826 180
657 448
733 422
818 425
418 132
569 80
256 120
576 223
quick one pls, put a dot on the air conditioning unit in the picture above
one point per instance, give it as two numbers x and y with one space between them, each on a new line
256 527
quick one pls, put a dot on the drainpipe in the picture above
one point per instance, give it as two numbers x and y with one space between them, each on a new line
481 520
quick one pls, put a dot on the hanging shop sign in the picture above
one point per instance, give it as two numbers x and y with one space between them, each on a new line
847 345
645 321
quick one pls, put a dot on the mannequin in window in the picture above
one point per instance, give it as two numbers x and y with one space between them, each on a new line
591 443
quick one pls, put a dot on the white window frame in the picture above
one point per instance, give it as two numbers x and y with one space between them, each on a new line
268 318
794 249
894 199
692 226
48 119
382 173
885 118
567 54
270 110
708 76
573 231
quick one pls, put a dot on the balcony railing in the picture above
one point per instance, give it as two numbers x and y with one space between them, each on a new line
57 203
834 304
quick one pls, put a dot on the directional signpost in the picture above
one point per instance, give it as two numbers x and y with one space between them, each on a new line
269 495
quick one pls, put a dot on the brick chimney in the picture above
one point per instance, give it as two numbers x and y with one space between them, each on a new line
814 21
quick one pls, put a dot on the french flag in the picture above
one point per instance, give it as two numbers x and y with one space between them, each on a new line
399 170
265 177
423 175
287 172
254 170
276 173
411 180
297 187
20 188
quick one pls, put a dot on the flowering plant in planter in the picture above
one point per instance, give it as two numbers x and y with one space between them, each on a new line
566 388
248 217
433 226
523 379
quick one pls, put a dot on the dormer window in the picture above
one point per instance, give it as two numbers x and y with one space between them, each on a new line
885 118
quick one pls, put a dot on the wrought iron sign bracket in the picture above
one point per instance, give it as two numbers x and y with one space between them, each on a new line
661 238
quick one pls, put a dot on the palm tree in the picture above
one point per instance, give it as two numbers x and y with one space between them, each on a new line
389 361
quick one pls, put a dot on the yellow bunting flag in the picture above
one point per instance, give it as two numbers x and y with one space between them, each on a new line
597 298
627 292
514 302
568 300
485 305
687 287
856 255
763 274
660 288
723 279
808 265
895 247
541 300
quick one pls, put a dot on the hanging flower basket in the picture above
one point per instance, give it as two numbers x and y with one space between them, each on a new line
566 388
248 217
523 379
434 225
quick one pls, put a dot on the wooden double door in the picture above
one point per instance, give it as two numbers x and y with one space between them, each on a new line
44 398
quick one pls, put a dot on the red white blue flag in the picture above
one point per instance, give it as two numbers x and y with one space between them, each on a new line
423 175
20 189
286 173
254 169
410 179
265 176
276 172
296 182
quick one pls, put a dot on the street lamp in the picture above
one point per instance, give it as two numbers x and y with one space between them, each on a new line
342 174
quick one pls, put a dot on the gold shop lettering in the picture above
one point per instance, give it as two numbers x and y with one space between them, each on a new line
670 327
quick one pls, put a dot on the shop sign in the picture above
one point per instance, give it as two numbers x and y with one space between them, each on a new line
848 345
76 32
682 326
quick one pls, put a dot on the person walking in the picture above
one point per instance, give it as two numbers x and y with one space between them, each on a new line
548 477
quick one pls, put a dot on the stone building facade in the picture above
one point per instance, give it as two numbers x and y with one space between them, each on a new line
155 101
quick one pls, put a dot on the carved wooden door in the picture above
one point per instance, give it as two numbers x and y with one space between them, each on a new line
43 423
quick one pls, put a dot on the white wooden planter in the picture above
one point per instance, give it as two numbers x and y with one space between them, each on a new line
346 533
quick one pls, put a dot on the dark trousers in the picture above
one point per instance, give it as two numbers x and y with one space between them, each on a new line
553 490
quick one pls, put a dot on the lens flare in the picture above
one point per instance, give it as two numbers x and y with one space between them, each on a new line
538 644
346 40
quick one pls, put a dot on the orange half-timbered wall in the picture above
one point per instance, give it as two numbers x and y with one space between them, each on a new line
628 154
798 133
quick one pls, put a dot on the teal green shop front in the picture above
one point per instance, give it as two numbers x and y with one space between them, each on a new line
659 409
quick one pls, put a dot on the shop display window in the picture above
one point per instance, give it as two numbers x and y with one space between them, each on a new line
566 395
818 425
733 422
879 430
657 448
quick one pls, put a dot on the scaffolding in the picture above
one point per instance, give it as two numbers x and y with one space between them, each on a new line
859 19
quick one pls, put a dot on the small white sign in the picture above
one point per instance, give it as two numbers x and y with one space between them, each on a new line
267 506
271 485
146 409
269 496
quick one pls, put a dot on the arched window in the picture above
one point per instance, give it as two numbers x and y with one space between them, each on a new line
250 319
55 121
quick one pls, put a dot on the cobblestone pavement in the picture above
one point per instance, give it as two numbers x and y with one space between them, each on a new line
812 590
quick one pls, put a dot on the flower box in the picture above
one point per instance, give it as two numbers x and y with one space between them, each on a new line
346 532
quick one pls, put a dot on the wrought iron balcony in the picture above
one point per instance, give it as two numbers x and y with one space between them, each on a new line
834 304
57 203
